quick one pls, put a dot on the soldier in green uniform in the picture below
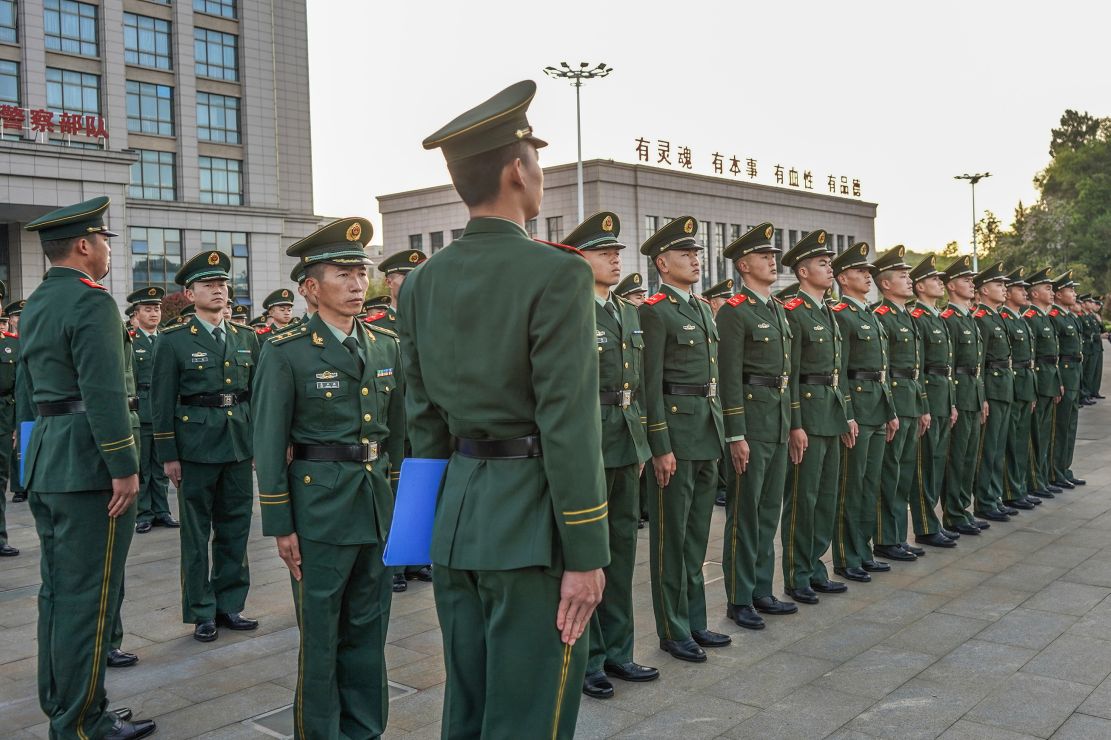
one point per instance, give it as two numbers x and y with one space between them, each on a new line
620 344
937 381
717 295
154 510
1047 383
520 536
9 468
818 423
869 403
1097 347
278 308
11 327
1069 363
632 289
972 405
375 310
1016 461
1093 348
240 314
1000 392
14 312
756 399
396 268
330 392
81 468
202 415
904 353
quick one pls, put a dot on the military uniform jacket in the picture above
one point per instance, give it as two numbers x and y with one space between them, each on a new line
968 352
864 348
937 353
385 319
9 357
1022 352
72 348
1069 341
188 361
1047 378
999 382
620 363
904 352
756 340
142 364
309 391
815 350
521 360
1095 343
681 346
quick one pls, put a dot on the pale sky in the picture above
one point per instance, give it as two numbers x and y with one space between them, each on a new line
902 96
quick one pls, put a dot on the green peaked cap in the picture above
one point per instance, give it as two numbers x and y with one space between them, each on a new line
491 124
597 232
892 259
812 245
757 239
676 234
787 291
280 297
1041 277
15 308
1017 278
631 283
1064 280
80 219
342 242
992 274
208 265
724 289
854 256
404 261
151 294
960 267
927 268
378 301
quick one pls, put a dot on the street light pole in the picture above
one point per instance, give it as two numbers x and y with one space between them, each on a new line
576 76
973 179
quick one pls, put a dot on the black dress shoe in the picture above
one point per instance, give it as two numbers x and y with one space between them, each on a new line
1061 483
131 730
687 650
937 539
423 574
950 534
1032 500
597 686
981 524
166 520
875 566
830 587
1009 510
745 616
19 497
773 606
7 551
995 516
631 671
720 500
803 595
120 659
854 574
1052 488
706 638
236 621
969 529
123 713
916 551
143 527
1042 493
205 631
894 552
1018 504
399 583
1078 481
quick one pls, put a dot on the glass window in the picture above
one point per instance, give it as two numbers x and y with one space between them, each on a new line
416 241
653 279
152 177
217 118
155 256
734 232
234 244
146 41
9 82
7 21
216 54
651 225
70 27
555 228
225 8
456 233
72 92
150 108
221 181
436 241
530 227
840 243
850 240
792 238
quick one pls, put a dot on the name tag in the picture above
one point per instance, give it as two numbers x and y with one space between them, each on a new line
328 384
602 340
199 358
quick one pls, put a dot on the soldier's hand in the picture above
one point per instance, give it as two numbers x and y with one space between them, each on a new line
289 550
738 452
124 492
172 469
985 410
923 424
579 593
849 438
664 467
1059 396
1033 406
953 417
796 445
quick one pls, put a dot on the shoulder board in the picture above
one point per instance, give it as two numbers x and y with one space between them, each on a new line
980 314
736 300
173 328
130 333
918 312
9 335
1053 312
564 247
375 316
1006 313
92 283
382 330
881 309
264 330
1030 313
839 307
285 336
792 304
947 313
652 301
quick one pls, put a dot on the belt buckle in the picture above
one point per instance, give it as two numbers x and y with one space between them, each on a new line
1010 363
626 399
914 376
948 371
370 451
226 400
711 390
836 378
977 373
784 380
883 376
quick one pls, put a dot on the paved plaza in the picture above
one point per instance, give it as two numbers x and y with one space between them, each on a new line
1006 636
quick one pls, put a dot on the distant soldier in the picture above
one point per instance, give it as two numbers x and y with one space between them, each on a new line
9 464
1069 362
632 289
396 268
14 312
240 314
278 307
1016 465
718 294
1047 386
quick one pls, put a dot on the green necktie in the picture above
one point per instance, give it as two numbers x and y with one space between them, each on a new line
352 346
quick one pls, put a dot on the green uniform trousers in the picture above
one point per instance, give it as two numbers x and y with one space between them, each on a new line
343 611
7 470
1041 444
215 501
82 563
990 454
1017 465
964 442
857 497
509 675
1064 434
115 635
611 625
152 479
900 458
1098 372
929 474
809 503
753 506
678 529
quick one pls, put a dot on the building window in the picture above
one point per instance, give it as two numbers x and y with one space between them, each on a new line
850 240
416 241
221 181
152 177
150 108
216 54
70 27
436 241
9 82
146 41
224 8
840 243
530 227
217 118
7 21
555 228
792 238
155 256
734 232
456 233
234 244
653 279
72 92
651 225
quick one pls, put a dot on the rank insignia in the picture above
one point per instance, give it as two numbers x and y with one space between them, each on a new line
192 330
318 340
327 375
688 327
904 329
763 325
865 326
819 327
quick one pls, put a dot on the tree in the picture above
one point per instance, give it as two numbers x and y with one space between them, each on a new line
1076 129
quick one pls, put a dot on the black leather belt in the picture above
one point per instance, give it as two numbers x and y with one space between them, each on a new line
879 375
144 386
61 408
768 381
216 400
624 399
819 379
710 390
943 370
1048 359
1071 358
973 371
998 364
1024 365
904 373
366 452
499 449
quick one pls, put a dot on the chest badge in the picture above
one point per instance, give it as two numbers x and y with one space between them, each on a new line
327 375
819 327
688 327
904 329
866 326
763 325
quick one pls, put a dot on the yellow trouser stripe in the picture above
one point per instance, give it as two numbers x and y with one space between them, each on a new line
98 657
562 688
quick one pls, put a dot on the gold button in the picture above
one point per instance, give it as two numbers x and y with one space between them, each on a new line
599 348
365 391
674 409
713 359
227 364
366 417
308 479
327 394
229 413
713 380
624 346
956 382
765 339
859 388
820 340
369 468
227 381
185 418
806 395
692 341
895 384
626 366
626 386
364 441
748 396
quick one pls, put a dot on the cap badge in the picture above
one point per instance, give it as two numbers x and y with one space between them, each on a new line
317 340
821 237
688 227
967 261
214 258
285 294
931 260
607 223
768 232
899 251
152 291
729 283
414 258
636 279
523 132
1021 271
863 250
354 231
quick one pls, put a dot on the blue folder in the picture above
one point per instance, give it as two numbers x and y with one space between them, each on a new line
25 428
410 539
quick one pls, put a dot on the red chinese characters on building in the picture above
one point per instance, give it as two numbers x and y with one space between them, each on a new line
42 121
